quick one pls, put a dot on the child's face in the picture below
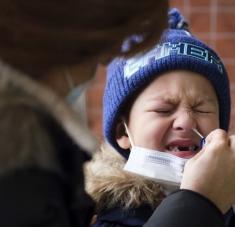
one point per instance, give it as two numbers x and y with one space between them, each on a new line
163 115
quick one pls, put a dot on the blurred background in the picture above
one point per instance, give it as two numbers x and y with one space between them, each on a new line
213 21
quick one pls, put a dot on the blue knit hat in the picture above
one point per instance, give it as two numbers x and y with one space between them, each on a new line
177 49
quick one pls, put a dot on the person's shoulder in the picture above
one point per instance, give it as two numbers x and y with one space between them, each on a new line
186 208
230 217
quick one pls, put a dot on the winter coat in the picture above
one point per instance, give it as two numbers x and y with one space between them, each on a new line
122 198
46 188
185 208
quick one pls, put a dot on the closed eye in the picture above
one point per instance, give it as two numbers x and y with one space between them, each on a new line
164 111
203 108
203 111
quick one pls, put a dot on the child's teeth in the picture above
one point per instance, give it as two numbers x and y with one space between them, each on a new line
173 148
176 148
191 148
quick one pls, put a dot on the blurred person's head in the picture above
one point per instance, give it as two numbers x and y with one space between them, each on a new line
42 37
39 36
40 132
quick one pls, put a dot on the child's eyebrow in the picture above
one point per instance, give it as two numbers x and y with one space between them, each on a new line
203 100
169 99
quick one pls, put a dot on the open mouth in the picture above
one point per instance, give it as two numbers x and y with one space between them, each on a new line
192 148
182 150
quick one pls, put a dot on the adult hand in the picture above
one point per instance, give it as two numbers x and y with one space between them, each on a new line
212 171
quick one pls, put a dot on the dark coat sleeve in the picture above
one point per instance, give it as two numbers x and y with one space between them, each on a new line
186 208
32 198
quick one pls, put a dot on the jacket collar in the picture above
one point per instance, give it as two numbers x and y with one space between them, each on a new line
131 217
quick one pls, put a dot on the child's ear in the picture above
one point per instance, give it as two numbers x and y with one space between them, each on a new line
121 136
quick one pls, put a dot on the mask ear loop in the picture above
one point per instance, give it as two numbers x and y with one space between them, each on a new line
129 134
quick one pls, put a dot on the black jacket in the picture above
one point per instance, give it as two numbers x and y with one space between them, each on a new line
185 208
119 217
41 201
37 198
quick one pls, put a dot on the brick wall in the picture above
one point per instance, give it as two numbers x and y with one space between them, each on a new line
213 21
94 97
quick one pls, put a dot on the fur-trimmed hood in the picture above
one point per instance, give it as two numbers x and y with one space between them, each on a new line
110 186
17 83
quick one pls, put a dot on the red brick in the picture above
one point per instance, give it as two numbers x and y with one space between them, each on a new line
95 124
93 115
200 3
231 73
94 98
177 3
232 124
100 74
225 22
233 101
232 85
226 47
96 85
232 127
232 119
208 41
199 22
97 131
226 2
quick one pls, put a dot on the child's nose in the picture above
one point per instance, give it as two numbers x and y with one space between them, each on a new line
184 121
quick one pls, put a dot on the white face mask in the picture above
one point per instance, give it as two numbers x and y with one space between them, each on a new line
162 167
159 166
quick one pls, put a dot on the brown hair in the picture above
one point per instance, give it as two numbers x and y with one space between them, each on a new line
45 34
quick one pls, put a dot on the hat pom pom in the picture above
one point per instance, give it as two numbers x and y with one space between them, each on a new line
130 42
177 20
